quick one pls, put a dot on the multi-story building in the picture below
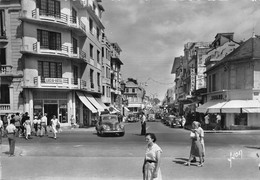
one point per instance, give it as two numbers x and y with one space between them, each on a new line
233 86
135 94
11 64
61 56
116 77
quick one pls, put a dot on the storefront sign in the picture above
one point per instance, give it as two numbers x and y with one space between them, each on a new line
192 79
53 80
217 97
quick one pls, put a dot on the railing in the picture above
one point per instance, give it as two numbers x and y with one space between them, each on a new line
3 35
5 107
39 49
70 83
59 17
6 69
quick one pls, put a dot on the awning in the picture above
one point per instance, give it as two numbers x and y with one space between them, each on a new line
84 100
114 110
239 106
101 103
134 105
217 108
126 109
204 107
94 102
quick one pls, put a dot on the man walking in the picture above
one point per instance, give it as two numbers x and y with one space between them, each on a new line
143 124
11 130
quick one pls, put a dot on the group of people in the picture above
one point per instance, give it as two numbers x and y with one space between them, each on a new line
20 125
151 165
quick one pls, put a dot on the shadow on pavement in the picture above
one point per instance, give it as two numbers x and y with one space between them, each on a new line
180 160
253 147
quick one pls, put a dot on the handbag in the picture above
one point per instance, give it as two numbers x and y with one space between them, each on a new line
192 134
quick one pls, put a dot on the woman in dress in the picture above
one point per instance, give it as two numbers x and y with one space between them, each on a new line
152 160
196 146
201 137
54 123
27 126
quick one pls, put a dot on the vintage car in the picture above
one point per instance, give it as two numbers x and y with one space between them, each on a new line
109 124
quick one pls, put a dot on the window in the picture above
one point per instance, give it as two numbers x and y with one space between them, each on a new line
4 94
98 33
241 119
107 72
49 69
102 52
126 90
2 24
49 7
49 40
98 79
75 74
74 46
103 90
209 82
98 56
133 90
74 16
91 78
214 82
91 25
2 56
91 48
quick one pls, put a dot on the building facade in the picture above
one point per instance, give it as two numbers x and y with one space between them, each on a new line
53 57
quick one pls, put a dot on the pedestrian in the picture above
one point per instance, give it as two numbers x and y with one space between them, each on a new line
27 126
11 130
201 136
218 122
196 146
55 125
143 124
206 120
39 127
35 125
25 116
183 121
1 129
73 122
17 123
5 124
151 166
43 125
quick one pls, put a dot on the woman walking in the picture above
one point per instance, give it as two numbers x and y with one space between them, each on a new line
196 147
54 124
27 126
152 160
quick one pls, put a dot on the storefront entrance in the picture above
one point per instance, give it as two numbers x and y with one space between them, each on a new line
51 109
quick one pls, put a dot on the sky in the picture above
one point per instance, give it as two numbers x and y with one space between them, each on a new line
151 33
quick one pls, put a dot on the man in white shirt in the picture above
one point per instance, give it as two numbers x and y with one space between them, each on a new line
44 124
143 124
206 118
11 130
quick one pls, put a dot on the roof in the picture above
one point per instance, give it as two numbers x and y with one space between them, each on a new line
250 49
176 64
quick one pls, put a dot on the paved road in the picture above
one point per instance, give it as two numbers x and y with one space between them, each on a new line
80 154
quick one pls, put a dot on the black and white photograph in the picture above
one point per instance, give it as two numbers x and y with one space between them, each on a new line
129 89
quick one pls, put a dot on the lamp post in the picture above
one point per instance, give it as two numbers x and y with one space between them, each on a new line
122 84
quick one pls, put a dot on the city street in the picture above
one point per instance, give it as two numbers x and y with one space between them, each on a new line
81 154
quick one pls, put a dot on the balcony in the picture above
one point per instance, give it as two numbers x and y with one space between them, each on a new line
62 51
79 54
60 83
5 108
6 70
60 20
3 37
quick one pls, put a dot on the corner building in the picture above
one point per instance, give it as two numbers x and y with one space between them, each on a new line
61 57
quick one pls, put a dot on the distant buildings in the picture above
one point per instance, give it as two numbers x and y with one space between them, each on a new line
220 77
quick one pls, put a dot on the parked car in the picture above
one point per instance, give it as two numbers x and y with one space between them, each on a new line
109 124
169 120
176 122
151 117
133 117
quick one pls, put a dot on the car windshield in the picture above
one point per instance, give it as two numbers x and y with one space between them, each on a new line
109 119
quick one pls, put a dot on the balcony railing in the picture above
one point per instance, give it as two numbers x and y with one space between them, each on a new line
6 69
61 83
3 35
62 50
60 18
5 107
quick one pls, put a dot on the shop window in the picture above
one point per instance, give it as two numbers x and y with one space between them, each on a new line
241 119
63 111
4 94
37 107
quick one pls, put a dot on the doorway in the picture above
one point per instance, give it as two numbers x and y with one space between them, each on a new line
50 109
